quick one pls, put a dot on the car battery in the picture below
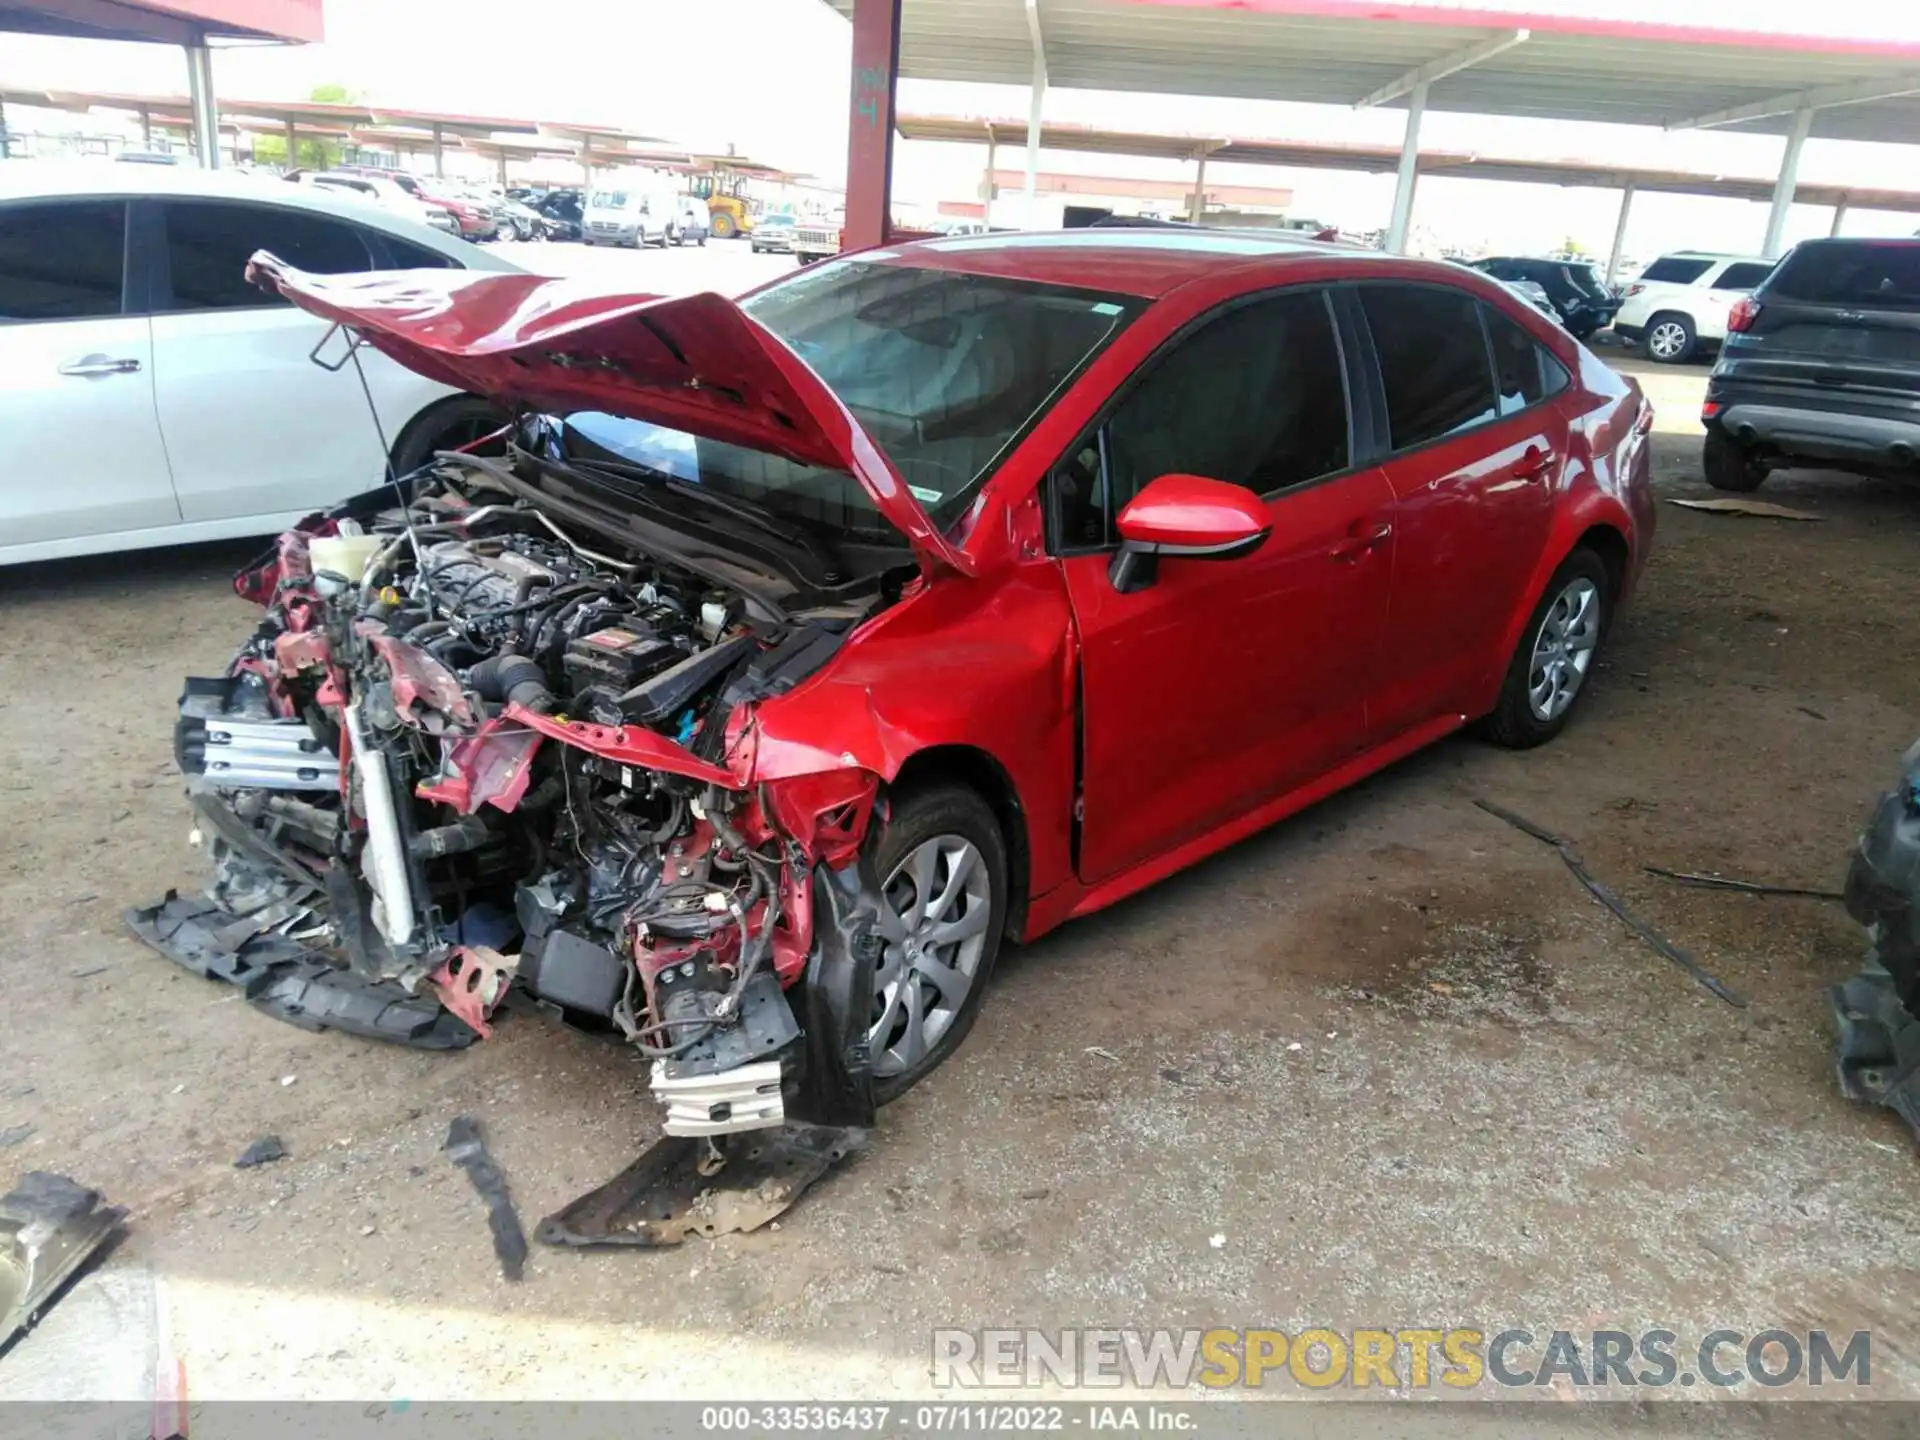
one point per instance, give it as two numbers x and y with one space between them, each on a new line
617 658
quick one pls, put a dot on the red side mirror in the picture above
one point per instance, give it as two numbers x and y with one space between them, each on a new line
1187 516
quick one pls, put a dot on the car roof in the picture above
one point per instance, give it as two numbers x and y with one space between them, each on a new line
1707 255
50 180
1146 261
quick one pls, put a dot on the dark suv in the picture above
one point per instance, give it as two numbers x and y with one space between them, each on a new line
1821 367
1584 301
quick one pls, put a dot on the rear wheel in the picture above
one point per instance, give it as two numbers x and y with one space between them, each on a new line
722 226
1670 339
943 863
1550 665
1728 466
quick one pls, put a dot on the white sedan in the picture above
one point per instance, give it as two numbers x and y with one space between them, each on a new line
150 396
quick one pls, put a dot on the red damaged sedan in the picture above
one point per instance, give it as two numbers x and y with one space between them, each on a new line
800 652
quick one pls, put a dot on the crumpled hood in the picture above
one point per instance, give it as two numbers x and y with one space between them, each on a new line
697 363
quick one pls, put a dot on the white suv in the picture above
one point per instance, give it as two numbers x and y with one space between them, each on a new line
1678 306
150 396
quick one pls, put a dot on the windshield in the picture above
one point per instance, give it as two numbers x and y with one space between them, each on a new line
1864 274
779 217
945 371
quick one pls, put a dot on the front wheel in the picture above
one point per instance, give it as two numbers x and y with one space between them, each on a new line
1549 668
943 910
722 226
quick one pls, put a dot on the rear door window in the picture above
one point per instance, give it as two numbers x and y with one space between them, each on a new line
1858 274
1676 270
1433 360
1525 371
1743 276
64 261
210 242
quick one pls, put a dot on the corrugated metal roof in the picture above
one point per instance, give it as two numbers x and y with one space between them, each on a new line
1340 51
169 21
1382 159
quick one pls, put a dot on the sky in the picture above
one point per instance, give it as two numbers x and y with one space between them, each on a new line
769 77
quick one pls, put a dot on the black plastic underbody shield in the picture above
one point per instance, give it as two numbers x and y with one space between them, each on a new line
290 982
673 1190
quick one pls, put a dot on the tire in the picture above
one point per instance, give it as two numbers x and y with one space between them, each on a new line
944 818
1728 466
1517 721
453 422
1670 338
721 225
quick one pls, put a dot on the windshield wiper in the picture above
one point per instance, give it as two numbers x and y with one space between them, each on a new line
790 534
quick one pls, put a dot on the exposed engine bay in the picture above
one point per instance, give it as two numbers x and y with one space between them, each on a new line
471 755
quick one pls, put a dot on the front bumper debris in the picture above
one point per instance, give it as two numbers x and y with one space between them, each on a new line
49 1226
1877 1049
683 1186
288 981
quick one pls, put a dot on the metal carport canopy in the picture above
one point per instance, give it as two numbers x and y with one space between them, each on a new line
1496 58
1352 52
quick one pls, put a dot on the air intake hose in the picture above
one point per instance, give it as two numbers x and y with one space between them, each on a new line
514 680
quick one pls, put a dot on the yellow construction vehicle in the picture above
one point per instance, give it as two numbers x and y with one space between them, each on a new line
729 212
722 181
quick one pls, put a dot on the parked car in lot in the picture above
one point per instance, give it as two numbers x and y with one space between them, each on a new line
1583 300
622 216
772 234
563 211
378 190
152 396
1677 307
816 238
690 223
1535 296
758 701
1821 367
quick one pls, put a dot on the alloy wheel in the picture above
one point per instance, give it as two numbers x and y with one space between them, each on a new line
1563 649
1666 339
935 910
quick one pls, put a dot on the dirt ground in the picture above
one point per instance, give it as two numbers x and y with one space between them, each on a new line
1389 1051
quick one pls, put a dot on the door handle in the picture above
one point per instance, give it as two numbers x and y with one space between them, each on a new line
91 365
1533 465
1360 539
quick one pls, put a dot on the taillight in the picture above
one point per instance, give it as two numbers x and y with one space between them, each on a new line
1745 311
1710 409
1631 291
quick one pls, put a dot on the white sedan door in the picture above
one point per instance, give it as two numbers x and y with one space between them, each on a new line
252 425
76 382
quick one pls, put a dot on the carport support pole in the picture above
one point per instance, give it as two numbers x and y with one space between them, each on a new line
876 74
1409 172
146 129
206 116
293 147
1620 233
1839 216
986 195
503 169
1037 101
1197 204
439 157
1784 187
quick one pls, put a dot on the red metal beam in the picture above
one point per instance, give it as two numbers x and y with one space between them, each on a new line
178 22
876 75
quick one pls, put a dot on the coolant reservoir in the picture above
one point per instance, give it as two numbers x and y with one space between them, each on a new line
342 555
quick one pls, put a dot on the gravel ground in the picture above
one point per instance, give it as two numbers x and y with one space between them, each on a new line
1389 1052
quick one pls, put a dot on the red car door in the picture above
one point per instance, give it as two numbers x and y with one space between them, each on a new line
1478 456
1225 682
